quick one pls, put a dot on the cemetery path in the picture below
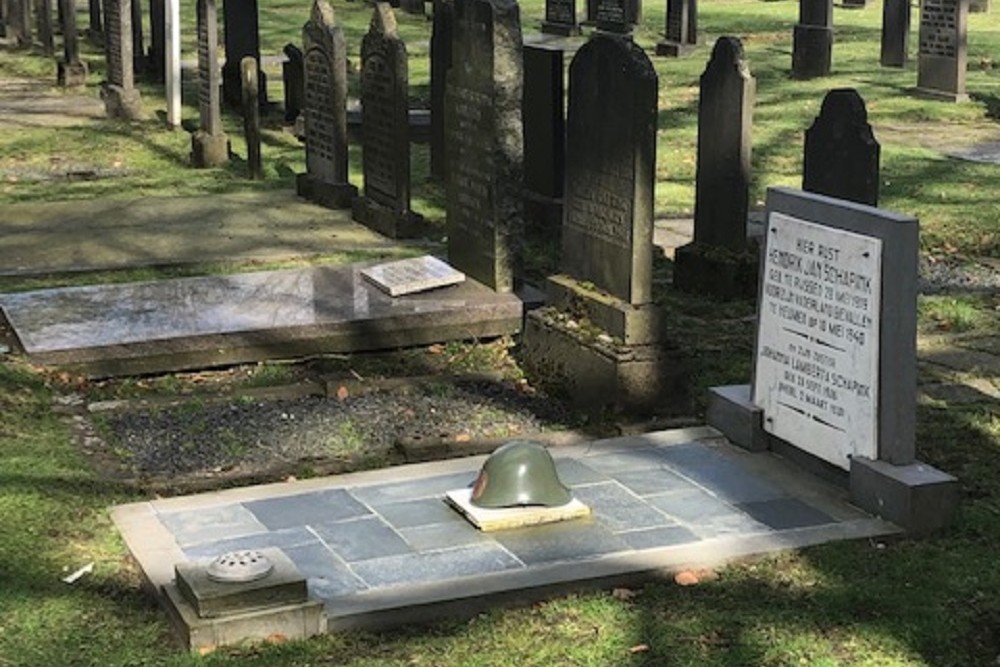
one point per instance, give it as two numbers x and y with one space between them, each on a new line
29 103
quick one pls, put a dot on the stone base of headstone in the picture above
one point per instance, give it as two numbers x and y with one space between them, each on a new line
121 103
731 412
330 195
596 374
812 51
209 150
716 271
542 216
562 29
672 49
940 95
72 75
386 221
917 497
208 614
629 324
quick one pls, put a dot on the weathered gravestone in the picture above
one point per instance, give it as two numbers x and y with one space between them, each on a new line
157 60
19 23
834 384
943 52
484 139
43 24
241 35
251 116
560 18
71 70
294 78
121 99
601 336
841 156
326 178
209 144
385 130
719 260
441 36
812 39
895 33
544 139
681 32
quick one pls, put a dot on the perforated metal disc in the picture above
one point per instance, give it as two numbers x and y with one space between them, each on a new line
240 567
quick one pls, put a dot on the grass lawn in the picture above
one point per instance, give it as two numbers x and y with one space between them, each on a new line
929 602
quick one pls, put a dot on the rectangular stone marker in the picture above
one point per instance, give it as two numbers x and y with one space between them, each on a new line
43 20
19 23
251 117
681 30
817 375
241 35
385 130
895 33
544 137
441 35
121 99
409 276
812 40
841 155
560 18
943 53
484 137
326 179
209 145
71 70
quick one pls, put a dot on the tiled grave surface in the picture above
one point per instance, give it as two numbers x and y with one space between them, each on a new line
189 322
382 547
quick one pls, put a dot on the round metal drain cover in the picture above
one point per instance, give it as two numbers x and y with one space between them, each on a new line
240 567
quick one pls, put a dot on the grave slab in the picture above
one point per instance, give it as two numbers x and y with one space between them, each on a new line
396 575
106 330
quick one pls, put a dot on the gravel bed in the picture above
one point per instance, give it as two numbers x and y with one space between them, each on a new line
954 274
205 437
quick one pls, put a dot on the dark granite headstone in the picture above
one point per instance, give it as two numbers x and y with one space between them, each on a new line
484 138
209 144
294 75
544 138
138 43
19 23
812 42
681 32
95 31
326 178
441 33
71 71
617 16
560 18
895 33
241 35
157 40
385 130
719 260
943 49
841 157
43 23
251 116
121 99
610 163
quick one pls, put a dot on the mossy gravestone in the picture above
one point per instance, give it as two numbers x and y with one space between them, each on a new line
325 110
485 142
720 261
385 130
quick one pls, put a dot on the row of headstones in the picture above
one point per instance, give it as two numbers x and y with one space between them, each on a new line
15 24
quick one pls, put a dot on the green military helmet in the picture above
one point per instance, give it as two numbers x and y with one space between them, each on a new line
519 472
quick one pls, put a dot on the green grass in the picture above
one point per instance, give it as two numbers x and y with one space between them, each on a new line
933 602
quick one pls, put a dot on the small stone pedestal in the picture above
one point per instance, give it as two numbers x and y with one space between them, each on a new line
72 75
209 150
387 221
208 613
122 103
812 51
324 193
700 268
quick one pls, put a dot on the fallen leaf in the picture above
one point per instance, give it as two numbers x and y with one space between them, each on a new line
276 638
290 478
463 437
436 348
686 578
342 393
639 648
205 650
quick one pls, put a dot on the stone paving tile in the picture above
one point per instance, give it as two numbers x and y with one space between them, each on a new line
427 566
361 539
729 525
663 536
619 509
428 487
283 539
326 575
726 478
652 481
572 472
565 541
692 506
438 536
211 524
785 513
621 461
418 513
306 508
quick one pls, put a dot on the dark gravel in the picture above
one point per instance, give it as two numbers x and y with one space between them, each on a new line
199 437
951 275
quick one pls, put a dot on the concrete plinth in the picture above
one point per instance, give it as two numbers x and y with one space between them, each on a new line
673 49
632 325
209 150
72 75
917 497
731 412
716 271
330 195
122 103
386 221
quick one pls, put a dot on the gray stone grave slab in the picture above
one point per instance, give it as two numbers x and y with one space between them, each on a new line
362 539
210 321
211 524
327 576
430 566
680 34
895 45
654 538
457 532
307 508
241 38
72 72
326 178
385 131
414 513
720 260
841 155
284 539
580 539
618 508
209 144
784 513
943 49
121 98
484 136
812 40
